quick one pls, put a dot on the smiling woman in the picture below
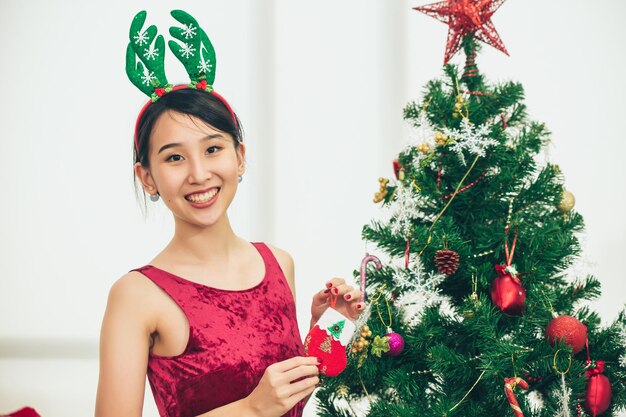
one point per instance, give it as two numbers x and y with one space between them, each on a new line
215 329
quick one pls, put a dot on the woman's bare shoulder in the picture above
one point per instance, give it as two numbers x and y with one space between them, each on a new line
134 293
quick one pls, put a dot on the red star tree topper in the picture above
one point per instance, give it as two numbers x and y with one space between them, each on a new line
466 17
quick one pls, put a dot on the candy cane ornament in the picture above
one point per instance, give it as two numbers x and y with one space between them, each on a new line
365 314
368 258
509 386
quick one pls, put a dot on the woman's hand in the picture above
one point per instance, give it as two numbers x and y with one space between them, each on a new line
348 300
282 386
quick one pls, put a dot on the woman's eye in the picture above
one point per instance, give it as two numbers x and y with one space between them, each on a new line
213 149
174 158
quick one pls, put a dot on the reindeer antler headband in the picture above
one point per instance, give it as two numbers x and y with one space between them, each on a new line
195 51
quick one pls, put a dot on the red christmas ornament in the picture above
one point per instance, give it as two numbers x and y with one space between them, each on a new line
328 339
507 292
396 168
466 17
598 391
570 330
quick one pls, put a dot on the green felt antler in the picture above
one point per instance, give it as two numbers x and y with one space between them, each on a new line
195 50
148 72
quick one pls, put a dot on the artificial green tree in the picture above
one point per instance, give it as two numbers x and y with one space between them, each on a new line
472 193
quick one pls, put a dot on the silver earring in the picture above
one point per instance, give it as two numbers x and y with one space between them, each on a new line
240 178
154 197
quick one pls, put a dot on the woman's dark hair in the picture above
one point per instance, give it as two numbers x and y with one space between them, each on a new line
192 102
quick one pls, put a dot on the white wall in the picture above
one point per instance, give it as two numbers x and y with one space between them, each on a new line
320 89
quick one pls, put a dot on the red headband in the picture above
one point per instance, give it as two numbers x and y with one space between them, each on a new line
161 92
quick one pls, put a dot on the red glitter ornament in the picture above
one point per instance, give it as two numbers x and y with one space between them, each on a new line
570 330
466 17
598 390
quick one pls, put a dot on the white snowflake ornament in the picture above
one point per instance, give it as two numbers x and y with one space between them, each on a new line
470 138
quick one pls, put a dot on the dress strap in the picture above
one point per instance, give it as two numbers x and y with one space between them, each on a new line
272 267
177 290
274 273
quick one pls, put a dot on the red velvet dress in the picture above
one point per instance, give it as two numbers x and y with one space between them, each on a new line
233 337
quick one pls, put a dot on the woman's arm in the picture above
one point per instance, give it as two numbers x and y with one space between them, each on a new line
281 387
124 347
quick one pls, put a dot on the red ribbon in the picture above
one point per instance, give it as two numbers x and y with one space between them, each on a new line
509 253
599 369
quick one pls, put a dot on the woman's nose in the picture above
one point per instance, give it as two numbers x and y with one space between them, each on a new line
199 171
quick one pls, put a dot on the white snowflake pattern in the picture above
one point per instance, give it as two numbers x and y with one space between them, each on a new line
471 139
205 66
405 210
622 333
151 53
141 38
535 401
562 396
422 132
187 50
189 30
148 77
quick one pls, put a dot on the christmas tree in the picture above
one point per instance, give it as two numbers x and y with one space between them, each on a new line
475 310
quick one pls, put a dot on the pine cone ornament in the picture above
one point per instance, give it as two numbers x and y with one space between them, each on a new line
447 261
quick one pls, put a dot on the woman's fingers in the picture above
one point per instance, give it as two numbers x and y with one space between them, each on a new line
304 371
294 363
352 295
334 282
305 384
321 297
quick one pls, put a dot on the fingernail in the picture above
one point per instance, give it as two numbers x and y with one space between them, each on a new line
359 306
347 296
329 284
336 290
326 291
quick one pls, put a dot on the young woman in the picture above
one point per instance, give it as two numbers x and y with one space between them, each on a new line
211 320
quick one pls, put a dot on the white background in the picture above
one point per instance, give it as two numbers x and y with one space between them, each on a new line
320 87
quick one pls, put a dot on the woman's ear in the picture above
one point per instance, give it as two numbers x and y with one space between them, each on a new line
241 158
147 182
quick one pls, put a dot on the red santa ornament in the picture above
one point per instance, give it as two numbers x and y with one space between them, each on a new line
507 291
598 390
328 340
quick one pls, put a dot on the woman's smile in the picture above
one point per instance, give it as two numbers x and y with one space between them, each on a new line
203 199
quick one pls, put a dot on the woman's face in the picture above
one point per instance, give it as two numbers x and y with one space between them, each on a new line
194 167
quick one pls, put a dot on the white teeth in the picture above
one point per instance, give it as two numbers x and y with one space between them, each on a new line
204 197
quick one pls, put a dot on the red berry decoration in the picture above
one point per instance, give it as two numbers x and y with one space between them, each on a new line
598 390
570 330
507 291
447 261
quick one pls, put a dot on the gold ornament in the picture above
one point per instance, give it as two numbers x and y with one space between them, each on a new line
401 175
459 106
423 148
362 343
382 192
567 201
440 138
342 391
